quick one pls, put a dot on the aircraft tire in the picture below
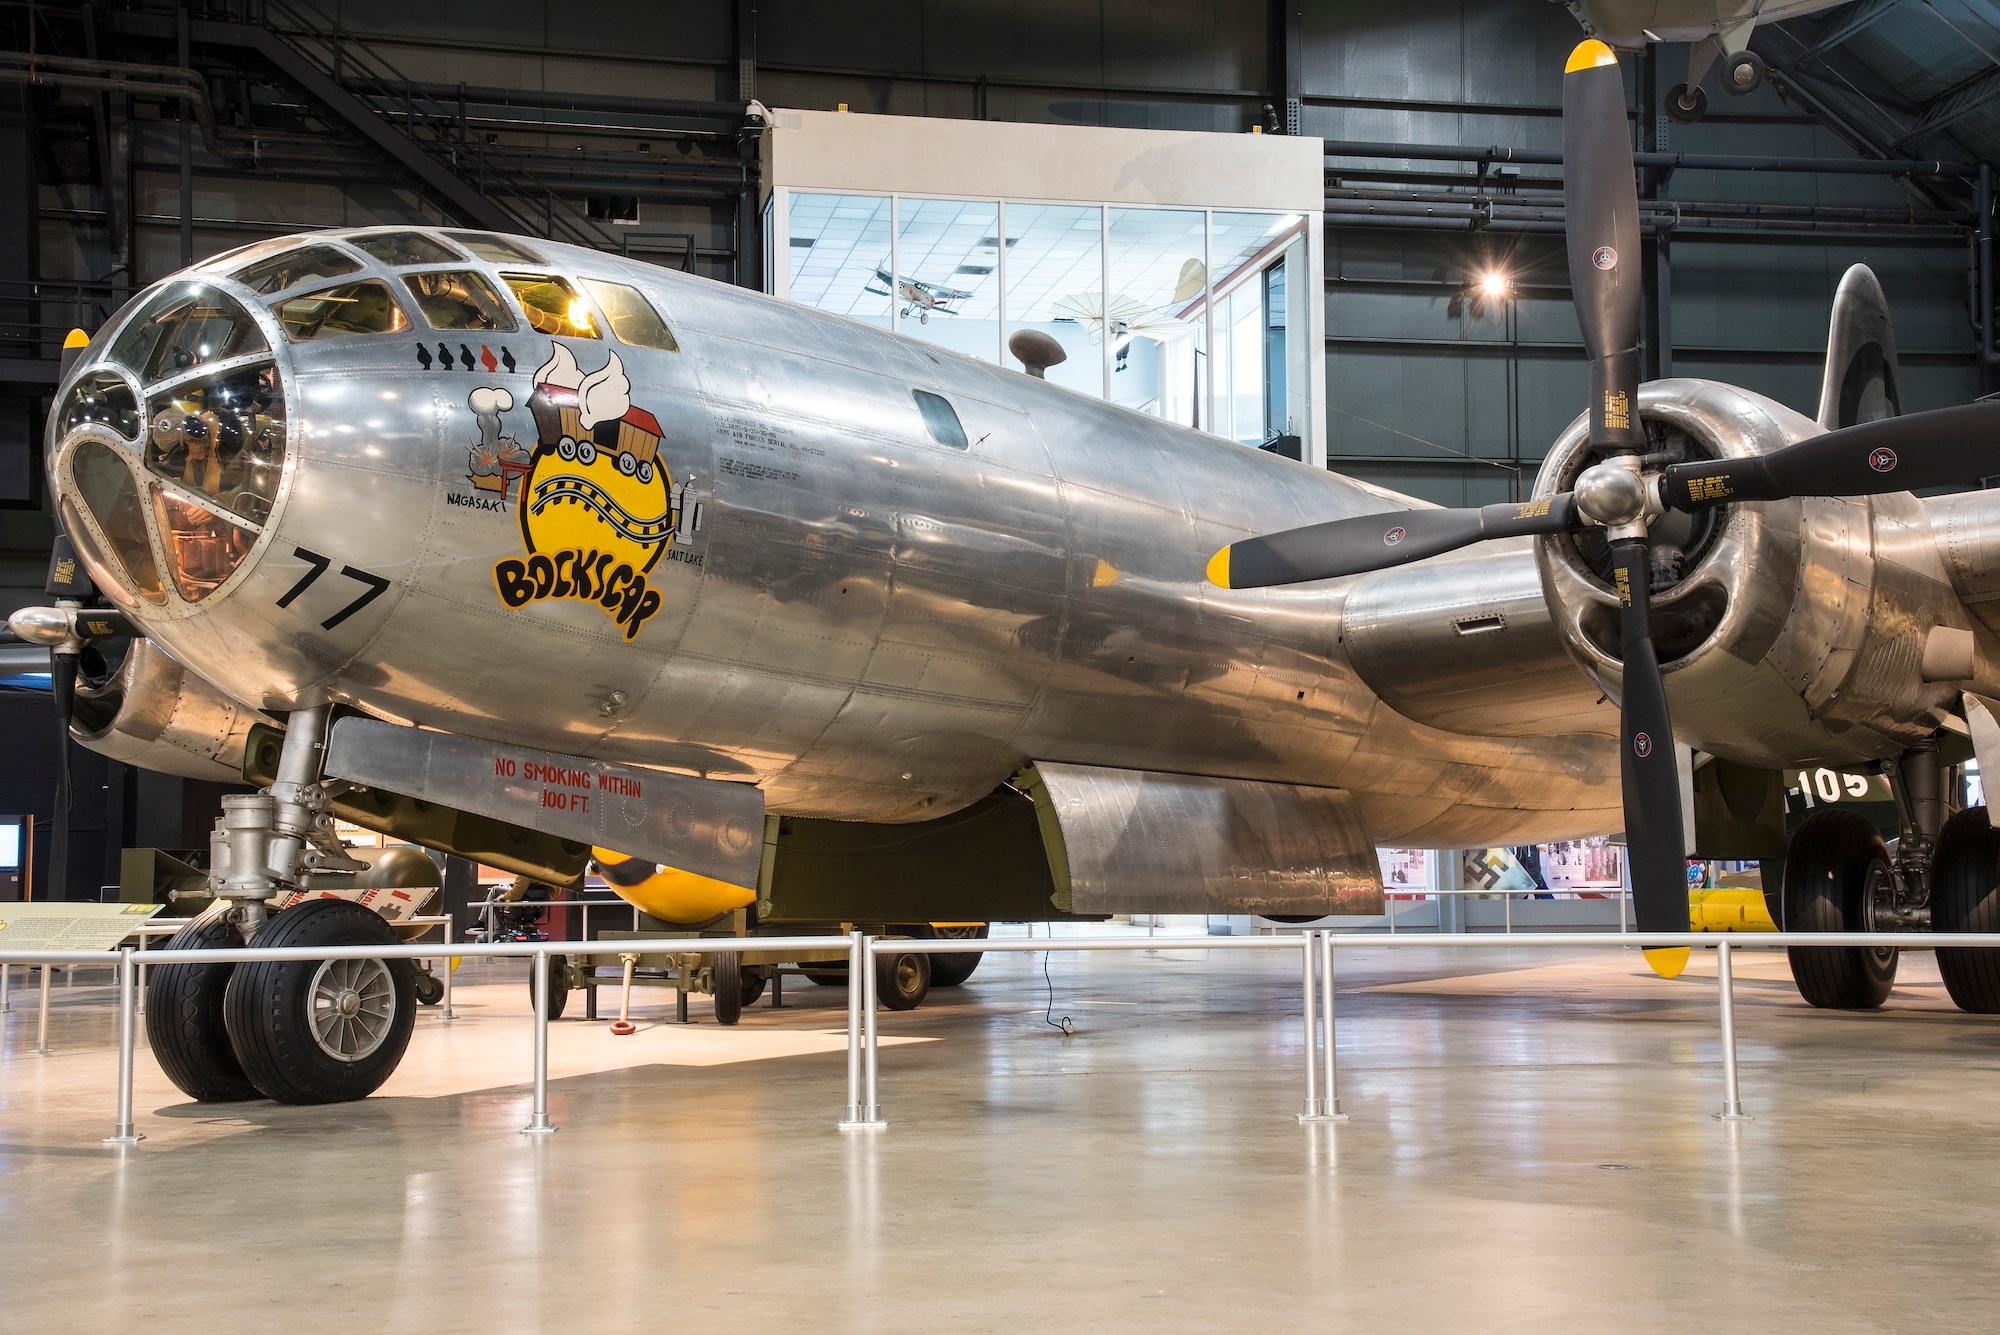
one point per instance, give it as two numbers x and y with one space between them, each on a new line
1965 897
902 980
184 1024
282 1016
1738 83
558 966
727 972
1696 103
1835 861
948 970
428 989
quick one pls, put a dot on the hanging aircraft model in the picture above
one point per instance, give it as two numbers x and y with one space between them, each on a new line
1712 29
918 297
522 549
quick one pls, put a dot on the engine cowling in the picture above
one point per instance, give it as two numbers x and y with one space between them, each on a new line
153 713
1789 632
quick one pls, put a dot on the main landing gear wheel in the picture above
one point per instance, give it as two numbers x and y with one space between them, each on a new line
558 967
1742 73
184 1017
1836 871
321 1031
903 980
1686 105
1965 897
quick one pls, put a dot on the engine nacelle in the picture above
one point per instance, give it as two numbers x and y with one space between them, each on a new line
1789 632
153 713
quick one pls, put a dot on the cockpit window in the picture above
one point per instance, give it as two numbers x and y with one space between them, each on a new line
495 249
459 299
204 546
223 438
406 248
104 398
631 316
108 490
182 327
552 305
940 420
334 312
294 267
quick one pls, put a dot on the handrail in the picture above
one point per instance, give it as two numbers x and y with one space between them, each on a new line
864 1113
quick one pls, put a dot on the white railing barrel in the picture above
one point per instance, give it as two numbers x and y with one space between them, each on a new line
42 1023
447 1013
1725 987
870 1100
538 1121
1312 1109
127 1037
1330 1098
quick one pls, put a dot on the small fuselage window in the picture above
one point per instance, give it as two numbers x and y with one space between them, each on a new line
400 248
552 305
268 277
631 316
459 299
940 419
336 312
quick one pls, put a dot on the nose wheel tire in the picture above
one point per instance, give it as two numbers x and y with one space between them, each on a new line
1965 897
1836 870
429 990
184 1024
321 1031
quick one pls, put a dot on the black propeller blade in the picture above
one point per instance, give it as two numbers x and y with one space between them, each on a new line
1375 542
1933 449
1601 216
1649 774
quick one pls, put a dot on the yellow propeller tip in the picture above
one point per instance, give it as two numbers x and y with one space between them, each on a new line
1668 961
1589 54
76 339
1218 569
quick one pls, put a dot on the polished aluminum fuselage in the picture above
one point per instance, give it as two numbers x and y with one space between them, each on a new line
866 623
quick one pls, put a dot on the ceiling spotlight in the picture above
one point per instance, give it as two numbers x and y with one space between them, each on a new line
1495 285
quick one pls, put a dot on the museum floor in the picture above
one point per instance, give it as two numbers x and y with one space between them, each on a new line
1531 1149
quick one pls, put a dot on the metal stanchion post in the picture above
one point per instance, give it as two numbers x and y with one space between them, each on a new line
446 1013
1507 912
1725 986
1330 1096
6 988
1389 903
1312 1108
538 1123
857 964
42 1024
127 1023
141 981
868 1066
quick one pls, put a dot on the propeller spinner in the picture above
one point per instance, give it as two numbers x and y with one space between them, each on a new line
1618 494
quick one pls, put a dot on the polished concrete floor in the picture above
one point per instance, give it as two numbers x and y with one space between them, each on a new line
1531 1148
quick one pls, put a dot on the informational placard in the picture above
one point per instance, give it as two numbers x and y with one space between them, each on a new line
1404 869
62 926
1583 864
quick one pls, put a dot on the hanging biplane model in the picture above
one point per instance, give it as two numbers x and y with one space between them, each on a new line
887 635
918 297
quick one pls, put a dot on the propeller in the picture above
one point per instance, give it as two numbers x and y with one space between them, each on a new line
67 629
1618 493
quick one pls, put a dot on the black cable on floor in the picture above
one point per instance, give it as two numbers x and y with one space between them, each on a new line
1048 1012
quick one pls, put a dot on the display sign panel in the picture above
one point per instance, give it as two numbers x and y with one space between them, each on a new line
1583 864
64 926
